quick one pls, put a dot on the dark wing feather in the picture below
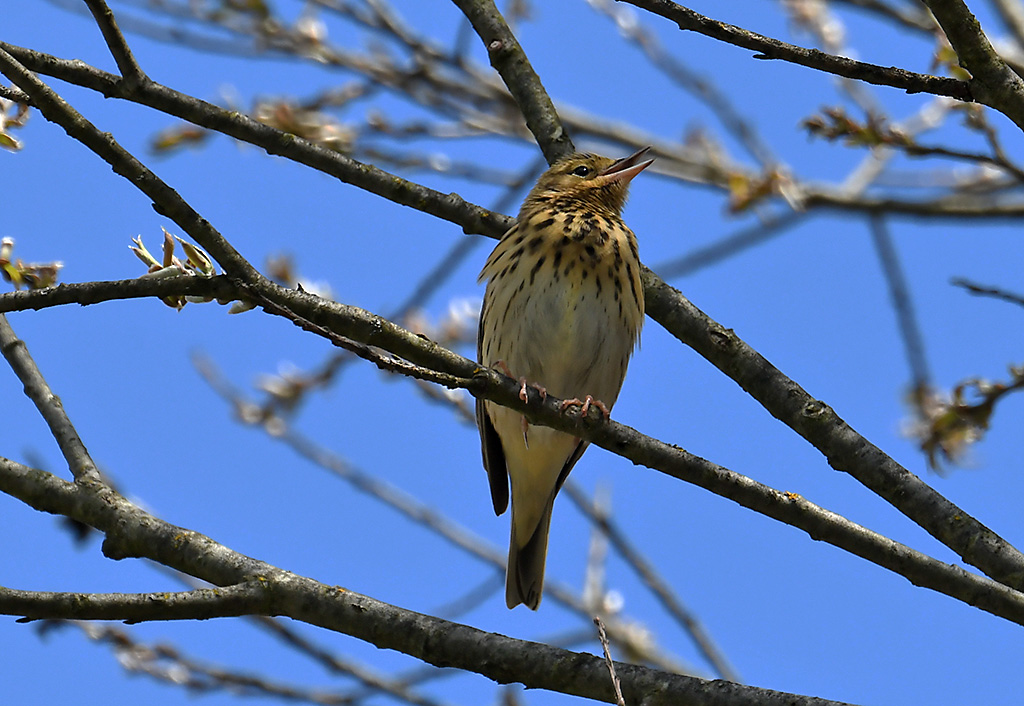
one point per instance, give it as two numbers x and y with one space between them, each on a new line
490 442
573 458
494 459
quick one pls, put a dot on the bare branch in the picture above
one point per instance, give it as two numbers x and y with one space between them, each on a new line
649 575
987 291
845 449
1012 14
133 532
85 293
48 404
247 598
910 17
910 332
119 49
608 660
510 61
768 48
993 82
15 94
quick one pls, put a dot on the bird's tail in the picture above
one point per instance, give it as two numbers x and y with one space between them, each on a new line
524 579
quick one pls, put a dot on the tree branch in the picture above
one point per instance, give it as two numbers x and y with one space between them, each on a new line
245 598
993 82
768 48
131 532
47 403
511 63
119 49
449 207
845 449
220 288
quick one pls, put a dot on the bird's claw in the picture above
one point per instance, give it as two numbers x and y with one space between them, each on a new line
585 404
524 395
503 367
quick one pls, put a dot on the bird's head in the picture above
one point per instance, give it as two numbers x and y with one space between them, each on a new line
591 179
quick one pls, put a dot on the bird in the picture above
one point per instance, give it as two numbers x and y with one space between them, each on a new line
562 313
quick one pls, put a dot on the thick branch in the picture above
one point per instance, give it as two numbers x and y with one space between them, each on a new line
132 532
845 449
511 63
993 82
768 48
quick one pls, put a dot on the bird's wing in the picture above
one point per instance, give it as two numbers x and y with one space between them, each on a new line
494 459
490 442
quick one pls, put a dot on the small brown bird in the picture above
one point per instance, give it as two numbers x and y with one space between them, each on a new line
563 310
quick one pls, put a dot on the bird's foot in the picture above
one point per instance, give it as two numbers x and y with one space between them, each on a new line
503 367
585 404
524 394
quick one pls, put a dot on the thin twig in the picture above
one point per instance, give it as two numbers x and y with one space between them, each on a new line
371 681
48 404
732 244
909 17
171 665
699 87
649 575
988 291
910 332
608 661
15 94
85 293
1012 14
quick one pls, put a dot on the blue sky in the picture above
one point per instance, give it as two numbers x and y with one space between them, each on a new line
790 613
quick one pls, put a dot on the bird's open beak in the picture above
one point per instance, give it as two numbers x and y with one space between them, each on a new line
628 167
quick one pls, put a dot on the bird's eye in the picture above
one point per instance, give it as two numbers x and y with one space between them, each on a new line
581 171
